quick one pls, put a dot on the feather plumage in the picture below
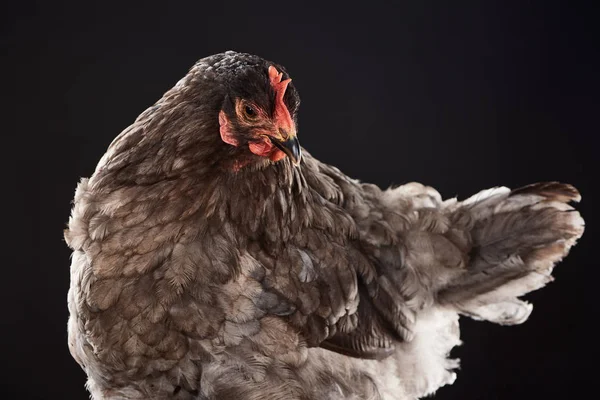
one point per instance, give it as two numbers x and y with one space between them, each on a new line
203 271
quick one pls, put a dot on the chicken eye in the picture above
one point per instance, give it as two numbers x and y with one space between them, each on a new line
250 112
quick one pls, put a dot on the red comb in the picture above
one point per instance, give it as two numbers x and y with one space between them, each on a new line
278 86
282 115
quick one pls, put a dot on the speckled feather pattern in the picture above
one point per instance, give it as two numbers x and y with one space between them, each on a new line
190 280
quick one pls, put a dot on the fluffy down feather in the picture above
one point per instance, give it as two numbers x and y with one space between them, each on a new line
201 271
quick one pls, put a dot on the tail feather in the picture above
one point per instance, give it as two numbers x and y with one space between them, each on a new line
562 192
517 238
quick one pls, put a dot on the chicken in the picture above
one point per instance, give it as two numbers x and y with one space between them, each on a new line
213 258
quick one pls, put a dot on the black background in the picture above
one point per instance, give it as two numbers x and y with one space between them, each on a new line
458 95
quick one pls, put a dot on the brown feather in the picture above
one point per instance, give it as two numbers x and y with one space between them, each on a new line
195 278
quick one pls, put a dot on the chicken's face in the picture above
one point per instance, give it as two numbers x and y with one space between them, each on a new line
258 114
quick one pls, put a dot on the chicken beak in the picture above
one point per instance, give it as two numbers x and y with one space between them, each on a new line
291 147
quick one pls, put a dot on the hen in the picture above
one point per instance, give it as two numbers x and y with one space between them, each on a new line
215 259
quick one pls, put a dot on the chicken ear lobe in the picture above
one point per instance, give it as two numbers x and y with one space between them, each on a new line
225 130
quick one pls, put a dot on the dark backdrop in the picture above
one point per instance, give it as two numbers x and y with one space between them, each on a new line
459 97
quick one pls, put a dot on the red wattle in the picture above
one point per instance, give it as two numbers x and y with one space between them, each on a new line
261 148
277 155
